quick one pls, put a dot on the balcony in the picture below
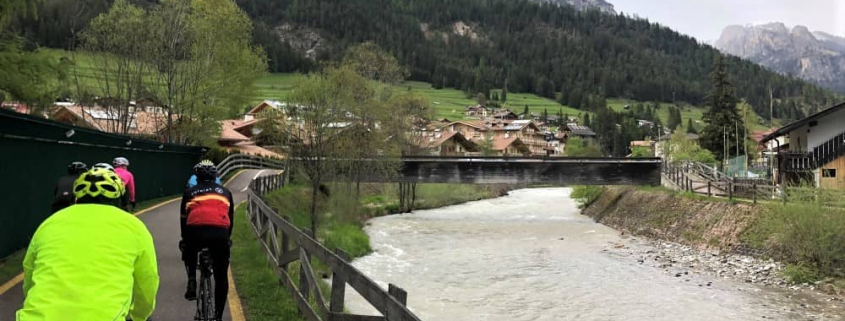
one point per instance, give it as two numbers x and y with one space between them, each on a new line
796 162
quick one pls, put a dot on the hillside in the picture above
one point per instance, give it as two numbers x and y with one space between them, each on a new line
813 56
552 51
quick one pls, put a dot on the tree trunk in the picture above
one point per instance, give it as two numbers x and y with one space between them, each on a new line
315 185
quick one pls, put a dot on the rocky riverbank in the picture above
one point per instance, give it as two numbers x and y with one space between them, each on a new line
701 241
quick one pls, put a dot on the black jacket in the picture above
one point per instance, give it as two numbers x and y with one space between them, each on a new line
207 204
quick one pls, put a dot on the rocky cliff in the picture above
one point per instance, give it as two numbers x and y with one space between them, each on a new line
813 56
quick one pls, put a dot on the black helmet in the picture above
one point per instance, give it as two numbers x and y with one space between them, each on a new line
205 170
77 168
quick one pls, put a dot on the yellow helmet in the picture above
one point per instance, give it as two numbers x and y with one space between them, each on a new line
98 182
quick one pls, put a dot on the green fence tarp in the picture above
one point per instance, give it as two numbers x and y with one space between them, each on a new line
35 152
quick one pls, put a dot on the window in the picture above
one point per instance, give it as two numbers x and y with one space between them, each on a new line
829 173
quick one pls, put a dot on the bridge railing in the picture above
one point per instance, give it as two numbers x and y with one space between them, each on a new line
285 244
243 161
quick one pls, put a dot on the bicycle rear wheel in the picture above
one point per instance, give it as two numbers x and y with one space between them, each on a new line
209 299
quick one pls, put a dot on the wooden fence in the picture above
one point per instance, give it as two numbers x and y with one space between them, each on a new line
285 244
690 177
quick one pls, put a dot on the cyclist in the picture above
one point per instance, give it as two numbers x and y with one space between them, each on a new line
207 214
90 261
121 165
63 193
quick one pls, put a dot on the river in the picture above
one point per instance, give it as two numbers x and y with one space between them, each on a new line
532 256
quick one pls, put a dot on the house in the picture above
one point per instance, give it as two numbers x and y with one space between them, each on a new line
647 144
131 121
15 106
447 144
505 114
816 149
476 111
645 123
526 130
574 130
261 107
511 146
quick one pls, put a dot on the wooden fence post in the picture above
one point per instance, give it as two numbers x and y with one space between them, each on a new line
303 279
285 243
709 193
398 293
730 190
754 191
338 286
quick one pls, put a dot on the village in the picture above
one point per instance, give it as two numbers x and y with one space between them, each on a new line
803 151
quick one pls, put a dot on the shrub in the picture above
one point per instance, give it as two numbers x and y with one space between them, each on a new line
803 233
800 273
586 195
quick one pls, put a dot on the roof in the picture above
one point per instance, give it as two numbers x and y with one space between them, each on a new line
229 134
444 137
796 124
103 119
579 130
264 104
758 135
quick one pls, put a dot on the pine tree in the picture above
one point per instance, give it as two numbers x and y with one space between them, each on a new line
545 115
586 121
690 127
525 113
504 96
719 134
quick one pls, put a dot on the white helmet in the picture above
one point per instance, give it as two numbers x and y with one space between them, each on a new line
103 165
121 161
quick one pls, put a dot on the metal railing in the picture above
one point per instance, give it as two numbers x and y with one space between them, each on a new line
277 235
243 161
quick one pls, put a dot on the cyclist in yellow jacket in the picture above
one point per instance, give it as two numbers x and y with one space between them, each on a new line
90 261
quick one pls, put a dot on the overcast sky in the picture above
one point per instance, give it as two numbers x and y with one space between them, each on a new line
705 19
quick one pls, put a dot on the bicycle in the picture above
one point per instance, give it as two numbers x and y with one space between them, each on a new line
205 297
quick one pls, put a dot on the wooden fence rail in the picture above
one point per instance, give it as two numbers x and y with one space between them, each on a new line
277 235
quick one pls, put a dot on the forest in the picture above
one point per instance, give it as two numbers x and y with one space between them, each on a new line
556 52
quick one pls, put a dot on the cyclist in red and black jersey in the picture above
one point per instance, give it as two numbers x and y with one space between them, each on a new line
207 214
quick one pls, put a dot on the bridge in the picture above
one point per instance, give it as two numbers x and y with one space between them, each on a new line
532 170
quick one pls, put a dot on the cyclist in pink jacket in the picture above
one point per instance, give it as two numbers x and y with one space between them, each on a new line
120 168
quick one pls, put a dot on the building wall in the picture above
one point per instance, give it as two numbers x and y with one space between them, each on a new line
805 138
837 182
827 128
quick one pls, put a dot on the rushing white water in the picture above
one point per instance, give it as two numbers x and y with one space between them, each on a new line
532 256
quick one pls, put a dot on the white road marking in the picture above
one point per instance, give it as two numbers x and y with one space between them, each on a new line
253 178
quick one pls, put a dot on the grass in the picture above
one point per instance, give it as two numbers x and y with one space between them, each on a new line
11 266
586 195
807 234
258 286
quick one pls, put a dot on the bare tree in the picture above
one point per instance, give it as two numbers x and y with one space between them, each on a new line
117 41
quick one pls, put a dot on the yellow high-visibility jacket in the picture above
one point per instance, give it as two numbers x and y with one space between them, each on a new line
90 262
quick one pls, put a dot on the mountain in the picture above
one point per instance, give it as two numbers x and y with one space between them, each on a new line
578 57
817 57
601 5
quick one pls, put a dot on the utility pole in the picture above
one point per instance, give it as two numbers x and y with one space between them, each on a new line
771 107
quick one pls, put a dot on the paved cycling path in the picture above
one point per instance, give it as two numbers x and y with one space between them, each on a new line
163 223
